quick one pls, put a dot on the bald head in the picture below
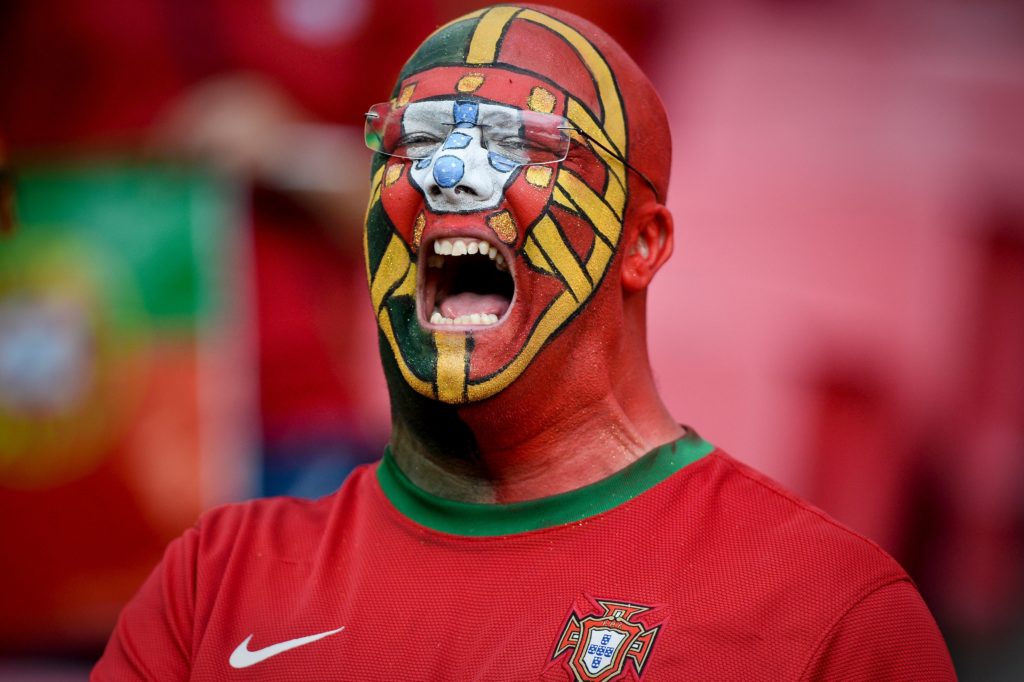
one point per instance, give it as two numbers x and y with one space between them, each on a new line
602 84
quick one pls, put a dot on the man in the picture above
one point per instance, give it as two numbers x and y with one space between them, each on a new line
538 514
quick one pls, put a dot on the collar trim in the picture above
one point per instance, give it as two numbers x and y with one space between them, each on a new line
482 520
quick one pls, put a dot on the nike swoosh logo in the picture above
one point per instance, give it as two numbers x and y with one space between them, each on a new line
241 657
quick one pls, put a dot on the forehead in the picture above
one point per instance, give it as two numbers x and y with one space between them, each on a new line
434 113
558 49
491 84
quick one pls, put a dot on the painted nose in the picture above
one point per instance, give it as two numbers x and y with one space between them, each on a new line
458 178
459 173
449 171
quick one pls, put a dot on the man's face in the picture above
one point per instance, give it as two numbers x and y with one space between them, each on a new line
480 250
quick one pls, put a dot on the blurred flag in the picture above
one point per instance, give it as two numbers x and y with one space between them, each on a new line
122 400
6 193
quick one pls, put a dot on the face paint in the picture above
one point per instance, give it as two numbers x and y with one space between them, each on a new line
475 260
462 176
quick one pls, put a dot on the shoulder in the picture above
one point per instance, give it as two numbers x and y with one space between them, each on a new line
772 557
791 568
277 527
234 554
240 551
791 530
889 634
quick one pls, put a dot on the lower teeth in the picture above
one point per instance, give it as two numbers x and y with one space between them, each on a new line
475 318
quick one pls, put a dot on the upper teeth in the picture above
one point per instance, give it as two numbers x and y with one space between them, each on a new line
461 247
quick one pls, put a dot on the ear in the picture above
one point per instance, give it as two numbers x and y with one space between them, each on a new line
647 246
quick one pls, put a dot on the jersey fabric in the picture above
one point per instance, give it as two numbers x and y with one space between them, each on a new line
685 565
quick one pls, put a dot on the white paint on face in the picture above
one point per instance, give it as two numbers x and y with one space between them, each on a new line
465 174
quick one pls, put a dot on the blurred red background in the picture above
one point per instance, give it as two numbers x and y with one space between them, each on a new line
845 308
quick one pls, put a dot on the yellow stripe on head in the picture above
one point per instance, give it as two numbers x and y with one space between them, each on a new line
451 366
394 267
614 121
483 47
417 384
591 205
562 257
553 318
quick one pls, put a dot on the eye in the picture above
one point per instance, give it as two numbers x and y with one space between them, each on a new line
418 144
519 149
532 144
511 143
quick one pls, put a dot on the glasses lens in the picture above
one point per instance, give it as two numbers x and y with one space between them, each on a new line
373 129
530 138
523 137
415 137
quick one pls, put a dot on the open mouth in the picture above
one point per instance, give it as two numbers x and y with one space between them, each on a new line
466 282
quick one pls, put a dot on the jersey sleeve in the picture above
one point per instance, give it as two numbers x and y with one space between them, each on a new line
153 636
888 635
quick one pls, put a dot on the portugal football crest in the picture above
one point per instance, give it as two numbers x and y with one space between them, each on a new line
601 646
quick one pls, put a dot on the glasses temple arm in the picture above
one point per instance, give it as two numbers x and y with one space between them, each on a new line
616 156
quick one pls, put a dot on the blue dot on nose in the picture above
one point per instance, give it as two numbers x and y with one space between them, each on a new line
457 141
448 170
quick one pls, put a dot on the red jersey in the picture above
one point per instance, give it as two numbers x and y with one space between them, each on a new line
686 565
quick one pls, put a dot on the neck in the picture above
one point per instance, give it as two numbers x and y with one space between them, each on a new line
536 438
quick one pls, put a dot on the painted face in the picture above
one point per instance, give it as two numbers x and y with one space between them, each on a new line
491 229
470 169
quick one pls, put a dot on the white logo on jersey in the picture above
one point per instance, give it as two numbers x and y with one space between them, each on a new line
241 657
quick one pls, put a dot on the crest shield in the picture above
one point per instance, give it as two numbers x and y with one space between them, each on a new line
602 644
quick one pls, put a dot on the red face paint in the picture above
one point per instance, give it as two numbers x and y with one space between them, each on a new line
462 326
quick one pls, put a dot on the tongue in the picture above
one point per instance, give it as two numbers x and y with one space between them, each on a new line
458 305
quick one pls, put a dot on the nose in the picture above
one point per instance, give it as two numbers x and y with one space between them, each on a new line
460 173
450 175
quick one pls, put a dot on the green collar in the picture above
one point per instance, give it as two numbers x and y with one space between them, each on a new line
479 520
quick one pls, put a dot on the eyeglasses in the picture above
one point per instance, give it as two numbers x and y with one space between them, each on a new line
525 138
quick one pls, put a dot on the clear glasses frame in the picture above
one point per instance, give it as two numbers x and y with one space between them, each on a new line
537 139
